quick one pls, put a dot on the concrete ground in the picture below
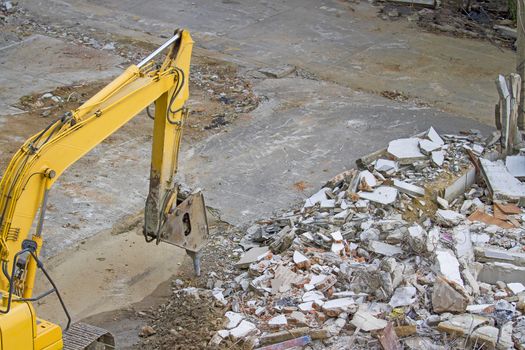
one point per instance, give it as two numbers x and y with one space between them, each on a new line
307 128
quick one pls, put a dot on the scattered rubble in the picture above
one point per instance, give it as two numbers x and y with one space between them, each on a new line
388 255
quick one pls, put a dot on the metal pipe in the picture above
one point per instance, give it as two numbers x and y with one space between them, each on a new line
159 50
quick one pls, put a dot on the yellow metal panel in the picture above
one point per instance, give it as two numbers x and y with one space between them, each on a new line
16 327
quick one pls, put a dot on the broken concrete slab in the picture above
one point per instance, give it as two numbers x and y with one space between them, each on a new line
244 329
427 147
410 189
438 157
516 165
383 195
459 186
433 136
368 177
493 272
386 166
487 254
367 322
516 287
462 324
278 321
446 299
405 151
485 337
252 255
384 248
234 319
448 266
448 218
335 307
501 183
316 198
403 296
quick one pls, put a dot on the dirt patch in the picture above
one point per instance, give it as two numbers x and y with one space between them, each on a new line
187 321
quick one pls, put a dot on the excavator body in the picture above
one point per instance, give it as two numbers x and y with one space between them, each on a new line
25 185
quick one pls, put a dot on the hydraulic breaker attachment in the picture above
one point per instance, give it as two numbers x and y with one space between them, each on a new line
186 226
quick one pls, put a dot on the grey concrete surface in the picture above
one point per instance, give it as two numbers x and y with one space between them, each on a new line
297 135
339 41
40 63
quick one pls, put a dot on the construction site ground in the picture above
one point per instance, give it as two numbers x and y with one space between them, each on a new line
255 143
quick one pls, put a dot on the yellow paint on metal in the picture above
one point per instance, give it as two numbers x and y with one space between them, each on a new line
64 142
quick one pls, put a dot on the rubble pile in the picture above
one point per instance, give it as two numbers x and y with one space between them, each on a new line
410 251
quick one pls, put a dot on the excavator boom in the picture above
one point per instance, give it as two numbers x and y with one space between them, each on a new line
45 156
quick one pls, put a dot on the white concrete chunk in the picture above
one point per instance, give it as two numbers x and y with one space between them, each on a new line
434 136
312 295
336 236
438 157
337 247
448 266
308 306
278 321
500 271
448 218
407 188
382 195
427 146
405 150
403 296
516 165
369 178
385 165
244 329
252 255
501 183
384 248
317 198
328 203
299 258
516 287
367 322
234 319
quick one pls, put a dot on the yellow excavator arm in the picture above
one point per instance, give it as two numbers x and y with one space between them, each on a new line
45 156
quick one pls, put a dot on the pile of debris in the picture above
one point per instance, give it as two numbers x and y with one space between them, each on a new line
412 250
480 19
